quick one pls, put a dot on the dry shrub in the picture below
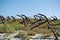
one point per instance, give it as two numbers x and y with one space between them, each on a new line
24 35
25 28
31 33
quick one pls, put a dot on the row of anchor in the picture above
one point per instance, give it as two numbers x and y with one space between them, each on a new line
39 19
24 18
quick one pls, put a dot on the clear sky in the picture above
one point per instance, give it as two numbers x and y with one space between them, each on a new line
30 7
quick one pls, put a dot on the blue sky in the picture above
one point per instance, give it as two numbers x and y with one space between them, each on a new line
30 7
